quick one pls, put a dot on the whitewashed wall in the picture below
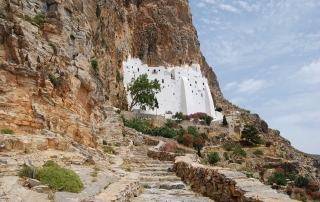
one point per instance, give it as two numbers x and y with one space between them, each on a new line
183 89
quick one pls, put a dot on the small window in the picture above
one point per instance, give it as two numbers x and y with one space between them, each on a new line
162 80
132 67
201 95
190 84
148 69
178 72
159 70
173 93
192 91
138 69
196 82
202 83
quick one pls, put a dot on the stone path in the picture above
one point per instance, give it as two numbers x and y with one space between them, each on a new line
158 183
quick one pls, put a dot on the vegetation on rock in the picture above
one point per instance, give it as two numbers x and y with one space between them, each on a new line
213 158
38 19
6 131
277 178
251 134
224 121
94 64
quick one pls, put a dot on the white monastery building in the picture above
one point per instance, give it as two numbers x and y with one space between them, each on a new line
183 89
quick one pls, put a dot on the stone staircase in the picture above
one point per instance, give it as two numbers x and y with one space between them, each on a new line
158 182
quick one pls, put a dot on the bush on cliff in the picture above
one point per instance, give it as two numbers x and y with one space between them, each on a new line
6 131
251 134
213 158
277 178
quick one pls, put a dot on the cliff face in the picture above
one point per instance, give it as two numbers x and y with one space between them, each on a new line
46 49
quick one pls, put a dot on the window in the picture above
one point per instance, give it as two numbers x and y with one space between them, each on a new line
138 69
173 93
190 84
201 95
202 83
132 67
162 80
196 82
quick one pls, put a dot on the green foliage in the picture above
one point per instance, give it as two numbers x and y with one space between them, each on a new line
25 172
94 64
140 54
98 11
104 142
218 109
170 123
213 158
291 176
278 178
58 178
38 19
193 131
118 111
56 82
6 131
72 36
301 181
108 149
258 152
179 116
118 76
226 156
224 121
239 152
208 120
251 134
51 163
143 92
1 65
229 146
180 61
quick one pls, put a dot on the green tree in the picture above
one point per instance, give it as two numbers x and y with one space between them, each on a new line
251 134
143 92
224 121
301 181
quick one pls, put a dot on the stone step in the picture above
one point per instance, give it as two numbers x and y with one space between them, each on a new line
160 173
162 165
164 185
153 169
158 196
159 178
123 190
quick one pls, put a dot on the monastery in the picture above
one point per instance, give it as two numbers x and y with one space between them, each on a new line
183 89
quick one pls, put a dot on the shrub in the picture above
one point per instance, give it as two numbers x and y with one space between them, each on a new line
208 120
198 144
251 134
224 121
51 163
25 172
301 181
213 158
98 11
291 176
108 149
261 171
315 195
170 147
38 19
226 156
258 152
218 109
193 131
56 82
2 15
94 64
140 53
6 131
61 179
279 170
229 146
179 116
278 178
187 140
170 123
239 152
269 143
72 36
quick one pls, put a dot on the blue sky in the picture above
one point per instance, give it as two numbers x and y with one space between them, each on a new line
266 55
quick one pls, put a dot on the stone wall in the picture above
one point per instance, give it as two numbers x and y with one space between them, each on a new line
220 184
